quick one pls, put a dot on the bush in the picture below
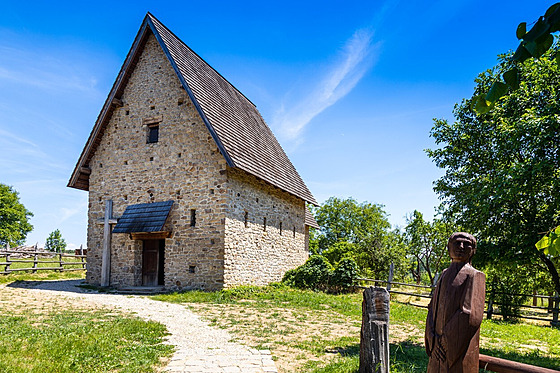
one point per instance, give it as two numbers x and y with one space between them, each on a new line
318 274
345 273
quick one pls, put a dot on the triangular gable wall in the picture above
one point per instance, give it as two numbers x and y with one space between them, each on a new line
233 121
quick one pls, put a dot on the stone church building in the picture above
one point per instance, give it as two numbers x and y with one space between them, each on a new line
188 187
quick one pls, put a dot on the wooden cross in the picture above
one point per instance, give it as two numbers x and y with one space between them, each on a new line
106 255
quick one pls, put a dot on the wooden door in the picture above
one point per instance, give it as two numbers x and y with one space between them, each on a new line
150 262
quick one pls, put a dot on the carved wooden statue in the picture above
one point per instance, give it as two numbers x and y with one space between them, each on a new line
455 311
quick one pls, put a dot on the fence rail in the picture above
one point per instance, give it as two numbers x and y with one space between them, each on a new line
34 258
552 309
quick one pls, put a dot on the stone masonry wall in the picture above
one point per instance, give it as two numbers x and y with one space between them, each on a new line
184 166
258 253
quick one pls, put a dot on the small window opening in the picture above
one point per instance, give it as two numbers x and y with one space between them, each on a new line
193 217
238 194
179 155
101 165
192 269
153 134
257 200
151 159
294 232
125 197
211 191
125 162
264 224
212 242
152 107
246 218
127 112
280 228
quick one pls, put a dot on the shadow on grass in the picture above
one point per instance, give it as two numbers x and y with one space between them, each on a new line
405 357
411 357
531 358
63 285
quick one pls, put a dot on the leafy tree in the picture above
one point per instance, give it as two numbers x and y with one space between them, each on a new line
502 174
55 242
359 231
14 224
427 245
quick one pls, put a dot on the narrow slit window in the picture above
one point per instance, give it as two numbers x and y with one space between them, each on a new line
153 134
246 219
294 232
280 228
193 217
264 224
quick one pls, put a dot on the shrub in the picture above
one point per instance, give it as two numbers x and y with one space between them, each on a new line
345 274
318 274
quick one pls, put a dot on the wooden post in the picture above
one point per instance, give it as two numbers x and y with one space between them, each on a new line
374 336
391 269
35 258
491 301
555 310
82 258
106 256
60 261
7 268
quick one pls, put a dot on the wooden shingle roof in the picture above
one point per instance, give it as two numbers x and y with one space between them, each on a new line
240 132
143 217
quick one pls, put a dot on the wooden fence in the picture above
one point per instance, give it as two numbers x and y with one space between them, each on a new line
492 306
34 258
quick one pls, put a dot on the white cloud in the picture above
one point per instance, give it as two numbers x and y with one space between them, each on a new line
354 60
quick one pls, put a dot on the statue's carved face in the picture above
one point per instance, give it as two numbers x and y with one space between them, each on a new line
461 249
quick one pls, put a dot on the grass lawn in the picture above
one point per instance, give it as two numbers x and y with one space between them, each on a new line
40 333
315 332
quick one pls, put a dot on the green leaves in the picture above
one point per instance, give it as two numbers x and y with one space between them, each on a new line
14 224
533 44
521 30
497 90
550 244
511 78
480 105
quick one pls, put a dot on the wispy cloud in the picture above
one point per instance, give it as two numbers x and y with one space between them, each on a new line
28 67
353 61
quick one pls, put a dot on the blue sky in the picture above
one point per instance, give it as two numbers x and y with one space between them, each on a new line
349 88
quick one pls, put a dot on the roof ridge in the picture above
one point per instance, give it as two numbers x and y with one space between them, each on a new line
196 54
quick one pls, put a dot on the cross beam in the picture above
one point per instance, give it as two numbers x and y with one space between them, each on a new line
106 254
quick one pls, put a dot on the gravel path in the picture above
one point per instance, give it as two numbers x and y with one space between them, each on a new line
199 347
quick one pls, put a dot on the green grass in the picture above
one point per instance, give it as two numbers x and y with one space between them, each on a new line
79 341
527 343
276 295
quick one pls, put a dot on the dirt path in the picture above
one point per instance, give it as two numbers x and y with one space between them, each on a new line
199 347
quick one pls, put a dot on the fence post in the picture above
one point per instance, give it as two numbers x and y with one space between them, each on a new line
491 303
7 268
82 258
391 269
35 258
60 261
555 310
